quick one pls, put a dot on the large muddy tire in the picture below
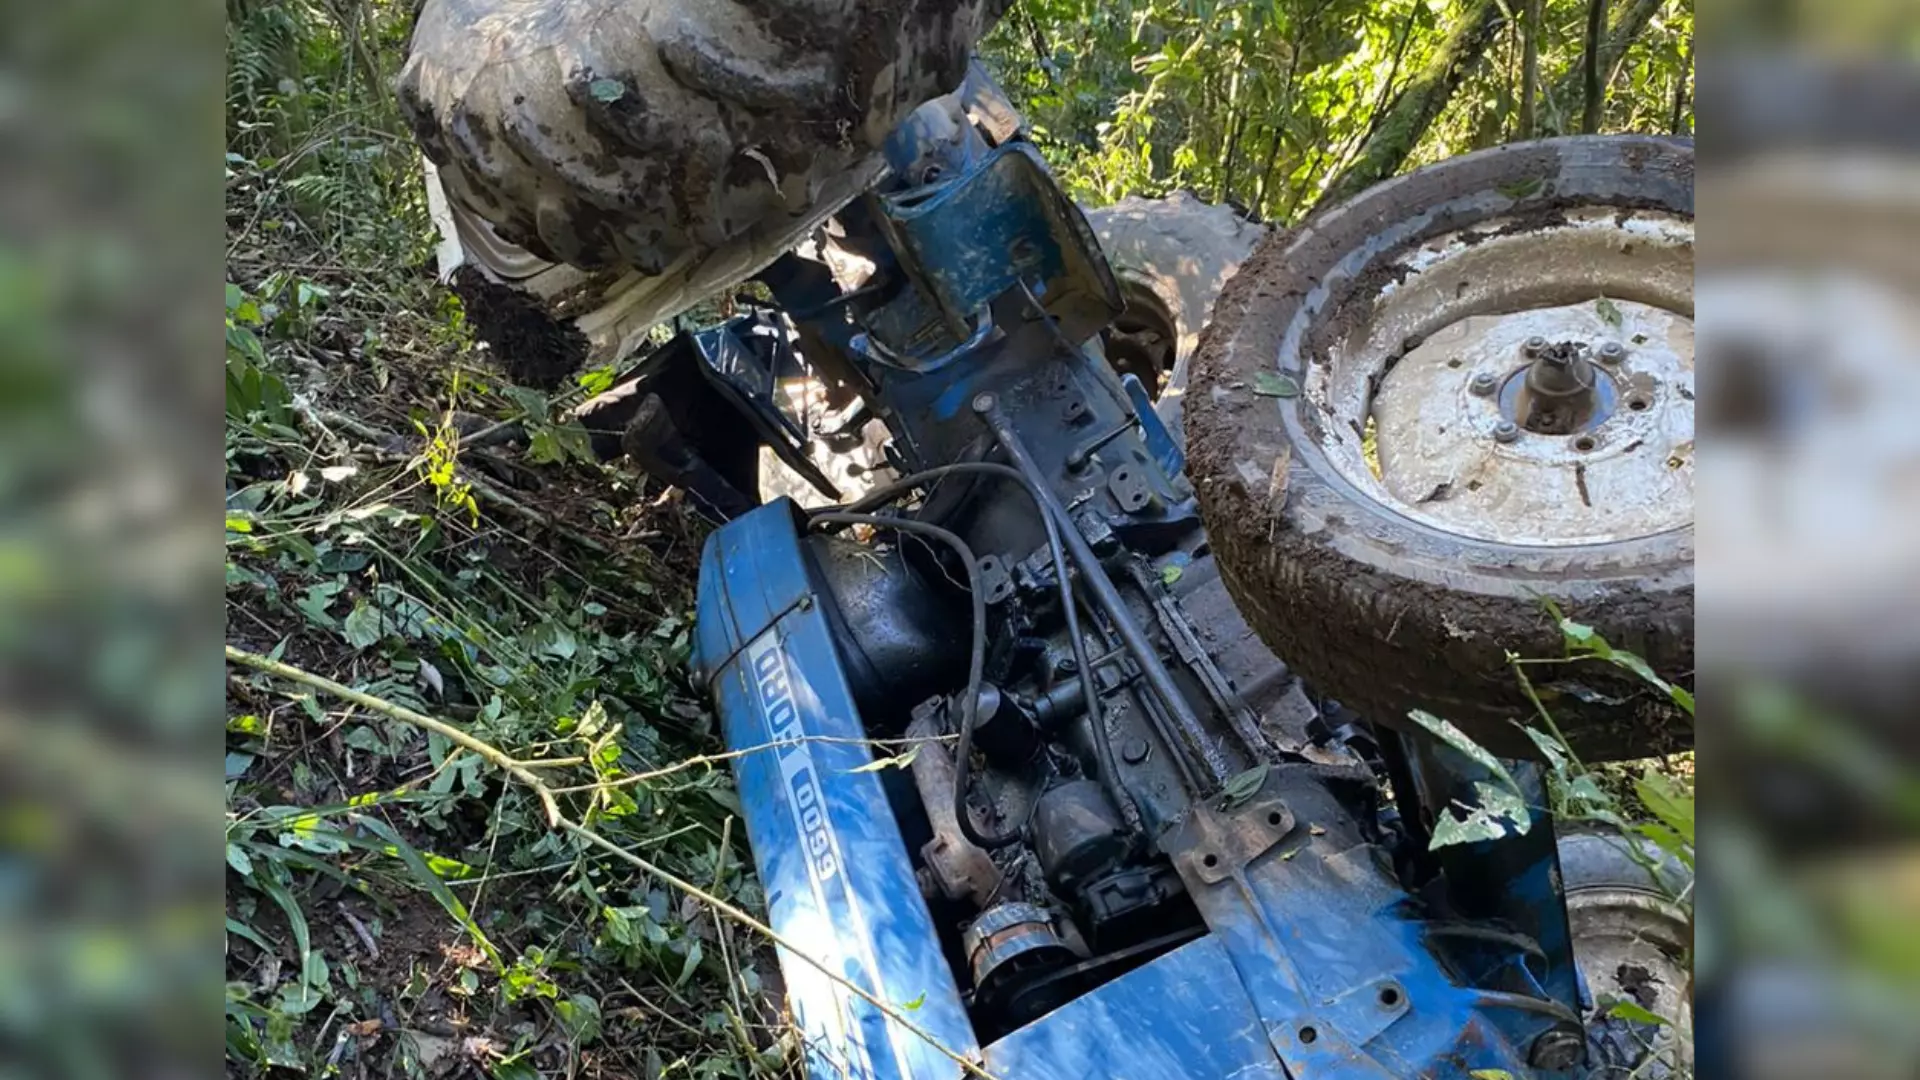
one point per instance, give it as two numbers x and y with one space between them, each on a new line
657 134
1393 598
1172 257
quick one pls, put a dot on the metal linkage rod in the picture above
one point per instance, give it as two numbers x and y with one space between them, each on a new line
1104 592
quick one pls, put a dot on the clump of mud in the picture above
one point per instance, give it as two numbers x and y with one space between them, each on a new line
532 346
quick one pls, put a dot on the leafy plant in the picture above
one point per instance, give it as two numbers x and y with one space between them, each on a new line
1268 106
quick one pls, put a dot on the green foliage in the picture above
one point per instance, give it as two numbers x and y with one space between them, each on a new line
316 147
374 567
1661 810
254 395
377 873
1499 808
1263 104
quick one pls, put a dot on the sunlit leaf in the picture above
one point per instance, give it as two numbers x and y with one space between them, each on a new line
1242 786
1274 384
1667 801
1627 1010
898 761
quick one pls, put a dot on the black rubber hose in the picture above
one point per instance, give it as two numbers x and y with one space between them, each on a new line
976 663
1110 779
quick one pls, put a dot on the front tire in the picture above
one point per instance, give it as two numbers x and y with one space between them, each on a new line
1395 599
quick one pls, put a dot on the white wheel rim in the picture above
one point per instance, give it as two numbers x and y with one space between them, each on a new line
1402 417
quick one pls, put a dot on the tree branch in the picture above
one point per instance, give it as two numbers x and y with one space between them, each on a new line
1626 29
1530 69
494 756
1407 120
1679 100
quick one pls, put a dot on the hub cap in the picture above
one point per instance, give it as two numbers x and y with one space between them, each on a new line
1528 386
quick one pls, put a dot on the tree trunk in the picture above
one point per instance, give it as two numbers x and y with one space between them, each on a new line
1529 69
1593 96
1679 103
1400 130
1233 153
1620 37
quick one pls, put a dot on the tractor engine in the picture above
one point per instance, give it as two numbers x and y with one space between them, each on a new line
1018 772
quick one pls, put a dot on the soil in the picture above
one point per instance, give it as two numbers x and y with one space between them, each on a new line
532 346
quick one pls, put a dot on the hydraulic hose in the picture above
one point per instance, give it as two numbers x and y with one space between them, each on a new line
1104 593
1110 778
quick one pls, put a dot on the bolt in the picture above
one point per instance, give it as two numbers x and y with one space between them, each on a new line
1135 750
1612 352
1556 1049
1484 383
983 403
1534 345
1506 431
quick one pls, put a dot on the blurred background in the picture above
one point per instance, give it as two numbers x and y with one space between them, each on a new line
1809 538
1808 614
110 802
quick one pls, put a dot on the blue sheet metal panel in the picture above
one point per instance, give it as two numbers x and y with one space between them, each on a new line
1182 1015
837 875
1153 431
1318 944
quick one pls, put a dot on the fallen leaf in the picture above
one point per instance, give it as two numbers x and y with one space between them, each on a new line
1522 188
1277 481
1273 384
1608 312
1242 786
431 679
1627 1010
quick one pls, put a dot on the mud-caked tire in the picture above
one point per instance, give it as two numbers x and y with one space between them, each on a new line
1632 937
1369 602
1172 257
657 134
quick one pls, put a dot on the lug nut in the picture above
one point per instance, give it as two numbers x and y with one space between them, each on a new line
1612 352
1506 431
1534 345
1484 383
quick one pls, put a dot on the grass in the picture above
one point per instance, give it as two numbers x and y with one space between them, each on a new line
396 905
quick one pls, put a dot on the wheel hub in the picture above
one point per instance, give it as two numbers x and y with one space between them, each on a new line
1551 402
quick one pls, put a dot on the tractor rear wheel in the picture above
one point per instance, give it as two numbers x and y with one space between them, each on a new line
1172 257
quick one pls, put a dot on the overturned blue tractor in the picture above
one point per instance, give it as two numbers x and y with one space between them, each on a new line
1125 837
